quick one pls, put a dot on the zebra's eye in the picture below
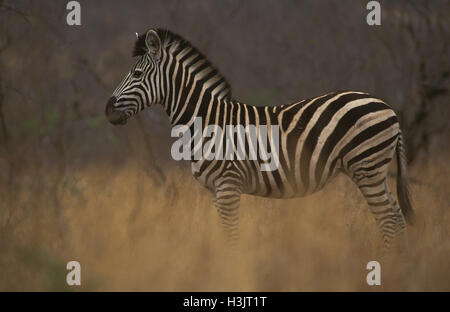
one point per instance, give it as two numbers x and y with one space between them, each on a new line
137 74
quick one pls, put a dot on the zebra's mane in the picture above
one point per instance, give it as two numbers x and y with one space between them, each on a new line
172 40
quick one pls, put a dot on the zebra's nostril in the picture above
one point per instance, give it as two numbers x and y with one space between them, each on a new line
114 117
110 105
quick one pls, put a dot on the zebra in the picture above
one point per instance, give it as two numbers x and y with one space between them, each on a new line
339 132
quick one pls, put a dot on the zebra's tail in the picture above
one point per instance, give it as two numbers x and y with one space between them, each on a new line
402 182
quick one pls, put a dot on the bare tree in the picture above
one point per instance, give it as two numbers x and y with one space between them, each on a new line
422 56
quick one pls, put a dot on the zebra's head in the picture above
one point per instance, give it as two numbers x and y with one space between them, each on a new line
140 87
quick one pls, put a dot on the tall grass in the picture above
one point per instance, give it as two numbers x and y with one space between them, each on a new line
131 233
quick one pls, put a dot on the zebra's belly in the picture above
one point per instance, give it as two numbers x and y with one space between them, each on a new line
280 190
280 183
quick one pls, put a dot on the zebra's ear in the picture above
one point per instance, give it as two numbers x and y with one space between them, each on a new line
153 43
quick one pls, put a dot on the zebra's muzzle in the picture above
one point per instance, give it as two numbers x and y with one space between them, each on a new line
115 117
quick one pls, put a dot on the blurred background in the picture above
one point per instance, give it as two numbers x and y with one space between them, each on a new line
74 187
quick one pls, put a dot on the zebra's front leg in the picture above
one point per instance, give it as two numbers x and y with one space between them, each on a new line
226 200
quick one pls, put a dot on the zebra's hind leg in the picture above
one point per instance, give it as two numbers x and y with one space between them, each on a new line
387 213
402 239
226 200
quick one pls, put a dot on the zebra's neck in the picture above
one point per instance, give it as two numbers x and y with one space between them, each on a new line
191 84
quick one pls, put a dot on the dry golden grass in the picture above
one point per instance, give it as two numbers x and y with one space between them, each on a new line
130 234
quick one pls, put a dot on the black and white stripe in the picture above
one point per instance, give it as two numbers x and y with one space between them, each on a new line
350 132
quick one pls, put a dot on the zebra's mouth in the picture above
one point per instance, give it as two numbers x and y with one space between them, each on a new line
117 121
115 117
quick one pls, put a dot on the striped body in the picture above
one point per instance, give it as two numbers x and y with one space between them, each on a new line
319 137
349 132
